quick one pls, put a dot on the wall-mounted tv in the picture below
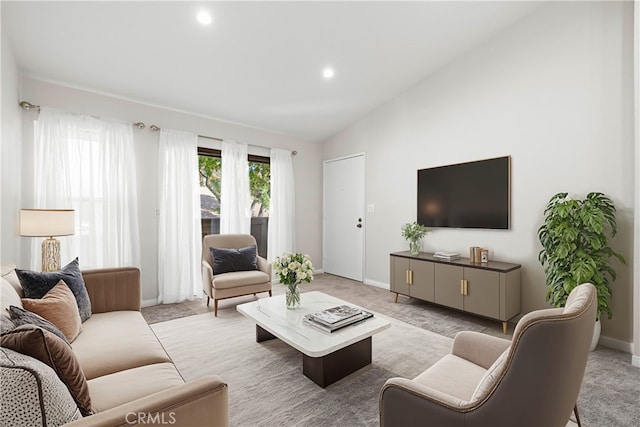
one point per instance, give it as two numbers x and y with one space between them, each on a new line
466 195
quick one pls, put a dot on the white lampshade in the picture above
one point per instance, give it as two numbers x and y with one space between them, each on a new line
47 222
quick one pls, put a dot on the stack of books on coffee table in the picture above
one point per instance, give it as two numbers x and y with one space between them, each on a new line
335 318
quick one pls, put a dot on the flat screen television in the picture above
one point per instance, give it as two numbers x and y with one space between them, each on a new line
466 195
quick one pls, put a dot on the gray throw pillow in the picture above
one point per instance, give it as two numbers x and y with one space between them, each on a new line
36 284
21 317
7 324
229 260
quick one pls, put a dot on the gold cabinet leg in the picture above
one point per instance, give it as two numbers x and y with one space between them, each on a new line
504 328
396 301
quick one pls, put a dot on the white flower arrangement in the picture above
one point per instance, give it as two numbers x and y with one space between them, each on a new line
293 268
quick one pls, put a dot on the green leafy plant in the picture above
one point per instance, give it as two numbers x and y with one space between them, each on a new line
414 231
575 248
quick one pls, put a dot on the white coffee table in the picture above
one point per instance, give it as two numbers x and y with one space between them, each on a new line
326 358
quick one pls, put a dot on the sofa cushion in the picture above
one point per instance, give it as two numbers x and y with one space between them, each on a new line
239 278
9 296
22 317
36 284
59 307
108 392
228 260
491 376
49 349
9 274
114 341
453 375
32 393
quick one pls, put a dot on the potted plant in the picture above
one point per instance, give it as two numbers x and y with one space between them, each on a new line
414 233
575 248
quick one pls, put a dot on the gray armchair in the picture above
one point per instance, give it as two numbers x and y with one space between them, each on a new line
532 380
235 283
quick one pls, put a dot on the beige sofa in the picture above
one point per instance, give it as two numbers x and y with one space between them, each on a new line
131 378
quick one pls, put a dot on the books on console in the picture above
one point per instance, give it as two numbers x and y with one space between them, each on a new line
334 318
447 255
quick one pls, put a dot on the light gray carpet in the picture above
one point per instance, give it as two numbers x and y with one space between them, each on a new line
266 384
611 386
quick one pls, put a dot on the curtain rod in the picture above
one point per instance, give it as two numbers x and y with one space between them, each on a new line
29 106
154 128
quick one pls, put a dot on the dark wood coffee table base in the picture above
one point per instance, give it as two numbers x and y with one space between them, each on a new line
332 367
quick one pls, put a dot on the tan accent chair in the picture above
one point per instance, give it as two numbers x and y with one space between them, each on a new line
532 380
237 283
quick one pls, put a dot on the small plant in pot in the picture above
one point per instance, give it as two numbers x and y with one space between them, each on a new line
414 233
575 249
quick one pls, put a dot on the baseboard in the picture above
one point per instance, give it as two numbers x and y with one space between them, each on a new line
149 302
318 271
635 361
616 344
377 284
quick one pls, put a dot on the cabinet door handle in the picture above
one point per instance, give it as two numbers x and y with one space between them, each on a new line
406 277
466 287
461 287
411 277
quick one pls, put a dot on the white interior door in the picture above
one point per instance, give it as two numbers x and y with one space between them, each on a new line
343 217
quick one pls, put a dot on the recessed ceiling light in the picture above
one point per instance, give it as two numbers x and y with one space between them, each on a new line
204 17
327 73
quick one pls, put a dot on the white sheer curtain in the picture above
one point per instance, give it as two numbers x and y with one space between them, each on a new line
235 200
88 164
281 207
179 227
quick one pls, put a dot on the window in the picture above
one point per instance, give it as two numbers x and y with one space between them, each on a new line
210 164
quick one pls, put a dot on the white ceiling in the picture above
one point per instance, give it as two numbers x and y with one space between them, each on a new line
258 63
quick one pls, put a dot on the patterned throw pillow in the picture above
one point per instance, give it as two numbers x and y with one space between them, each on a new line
49 349
32 393
229 260
59 307
36 284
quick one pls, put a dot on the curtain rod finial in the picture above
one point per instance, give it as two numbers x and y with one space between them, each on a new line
28 106
139 125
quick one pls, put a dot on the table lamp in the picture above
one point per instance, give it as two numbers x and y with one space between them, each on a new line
48 223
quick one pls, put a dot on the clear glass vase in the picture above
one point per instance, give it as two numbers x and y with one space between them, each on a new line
414 246
292 297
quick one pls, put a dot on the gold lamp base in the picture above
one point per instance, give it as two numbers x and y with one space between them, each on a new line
51 254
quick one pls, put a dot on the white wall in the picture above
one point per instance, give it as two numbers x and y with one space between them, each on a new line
10 158
636 292
554 91
307 164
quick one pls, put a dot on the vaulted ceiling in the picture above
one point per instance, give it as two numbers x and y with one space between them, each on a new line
259 64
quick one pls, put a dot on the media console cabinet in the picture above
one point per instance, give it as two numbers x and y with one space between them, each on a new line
490 289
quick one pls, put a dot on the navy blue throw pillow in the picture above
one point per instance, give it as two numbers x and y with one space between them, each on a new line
36 285
228 260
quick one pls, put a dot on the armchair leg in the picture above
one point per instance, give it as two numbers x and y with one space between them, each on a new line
215 307
575 411
269 293
208 300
